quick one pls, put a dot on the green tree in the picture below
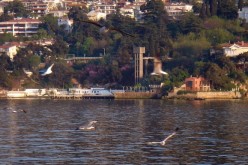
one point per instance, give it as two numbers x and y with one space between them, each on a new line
227 9
17 9
190 46
34 61
5 62
78 14
154 11
198 68
21 60
218 77
217 36
208 12
240 4
6 37
88 45
177 76
190 23
42 33
4 80
213 7
61 76
203 14
50 24
242 59
6 17
59 48
196 6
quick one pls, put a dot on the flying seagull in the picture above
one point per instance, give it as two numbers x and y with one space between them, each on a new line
167 138
27 72
46 71
158 68
19 110
90 126
23 110
105 29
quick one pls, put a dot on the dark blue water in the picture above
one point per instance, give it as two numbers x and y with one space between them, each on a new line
211 132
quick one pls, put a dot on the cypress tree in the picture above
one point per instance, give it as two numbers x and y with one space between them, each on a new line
240 4
203 11
208 10
227 9
213 7
219 8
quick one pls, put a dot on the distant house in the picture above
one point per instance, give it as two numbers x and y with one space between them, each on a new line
96 15
20 26
65 21
37 8
243 14
68 4
138 14
127 10
106 8
58 13
234 49
176 10
1 9
197 84
10 50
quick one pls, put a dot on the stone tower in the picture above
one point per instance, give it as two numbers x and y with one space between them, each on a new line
138 59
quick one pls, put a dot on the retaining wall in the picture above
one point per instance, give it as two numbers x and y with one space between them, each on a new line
135 95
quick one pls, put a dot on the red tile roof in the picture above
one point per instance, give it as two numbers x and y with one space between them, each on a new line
239 43
22 20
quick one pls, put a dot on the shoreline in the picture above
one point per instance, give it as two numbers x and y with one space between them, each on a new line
219 95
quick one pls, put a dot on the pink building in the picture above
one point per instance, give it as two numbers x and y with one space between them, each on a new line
197 84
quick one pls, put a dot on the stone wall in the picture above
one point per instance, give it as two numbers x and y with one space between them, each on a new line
208 95
135 95
218 95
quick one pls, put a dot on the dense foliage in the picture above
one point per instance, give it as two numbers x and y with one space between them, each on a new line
183 45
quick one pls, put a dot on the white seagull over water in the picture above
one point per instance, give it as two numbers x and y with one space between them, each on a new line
46 71
90 126
167 138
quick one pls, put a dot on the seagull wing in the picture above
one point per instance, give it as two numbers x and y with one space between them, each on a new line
151 143
49 70
168 137
42 71
46 71
162 72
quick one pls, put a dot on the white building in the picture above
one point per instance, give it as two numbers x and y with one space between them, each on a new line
58 13
10 50
38 8
127 10
1 9
64 21
235 49
244 13
176 10
106 8
20 26
96 15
